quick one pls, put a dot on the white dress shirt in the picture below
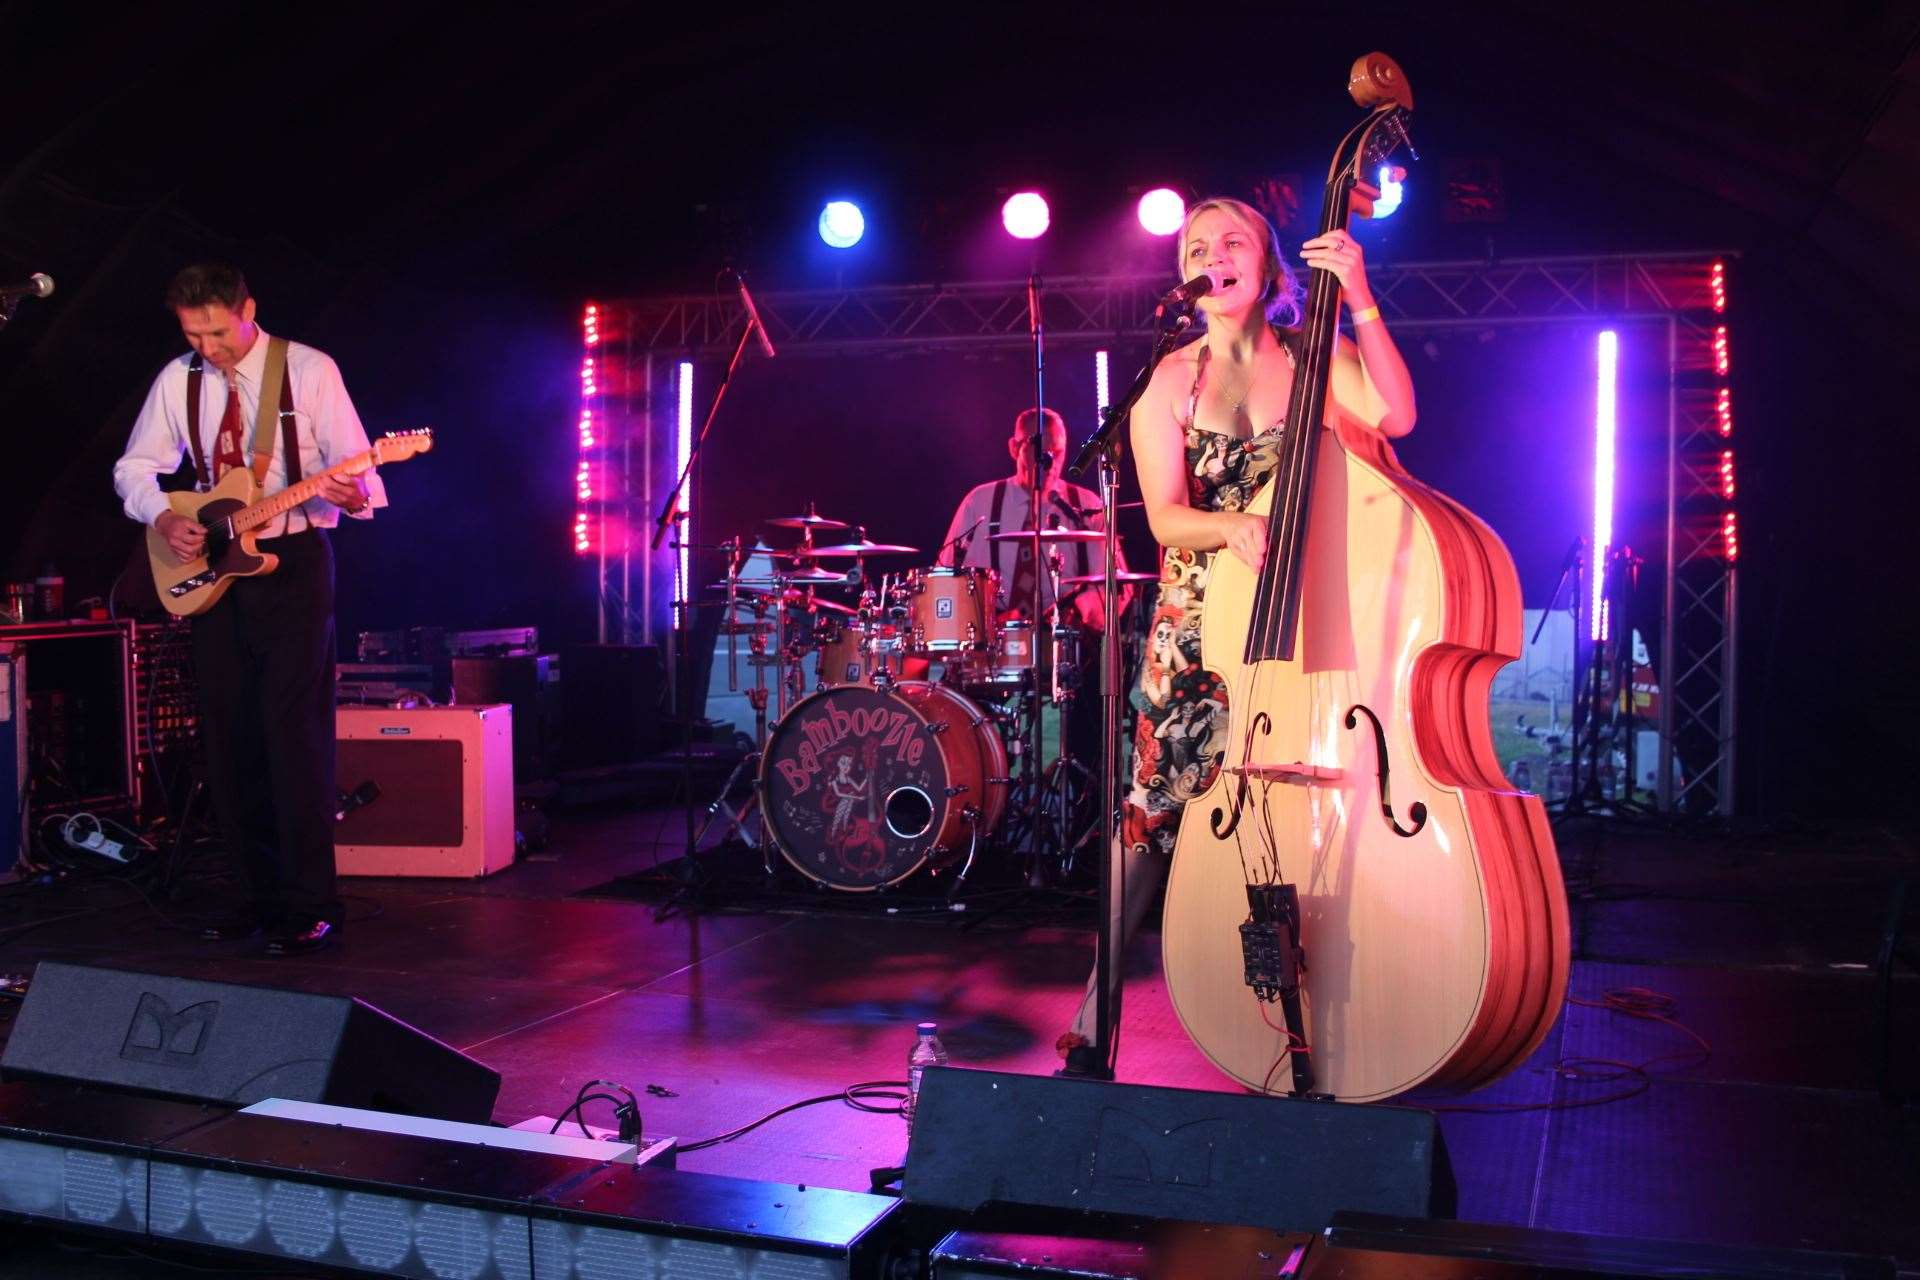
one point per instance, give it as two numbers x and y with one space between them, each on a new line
325 423
1067 507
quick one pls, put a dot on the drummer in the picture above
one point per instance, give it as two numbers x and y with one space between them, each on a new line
1005 506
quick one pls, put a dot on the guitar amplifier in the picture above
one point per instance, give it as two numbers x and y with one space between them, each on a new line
13 756
441 799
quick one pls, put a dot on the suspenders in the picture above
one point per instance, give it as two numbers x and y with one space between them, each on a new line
1075 521
276 372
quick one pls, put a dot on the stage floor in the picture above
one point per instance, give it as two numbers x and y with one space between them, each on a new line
1779 1137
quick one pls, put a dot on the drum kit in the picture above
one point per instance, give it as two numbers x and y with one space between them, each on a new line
901 750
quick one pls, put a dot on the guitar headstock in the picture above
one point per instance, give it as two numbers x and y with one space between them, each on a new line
397 446
1377 83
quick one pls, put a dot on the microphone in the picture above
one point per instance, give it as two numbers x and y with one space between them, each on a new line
1181 295
359 798
753 315
37 285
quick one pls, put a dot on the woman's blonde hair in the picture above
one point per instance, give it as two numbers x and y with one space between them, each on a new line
1282 294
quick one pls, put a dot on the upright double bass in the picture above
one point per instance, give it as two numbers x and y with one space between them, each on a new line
1361 903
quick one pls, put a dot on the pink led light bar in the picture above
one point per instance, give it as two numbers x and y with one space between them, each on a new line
1720 361
682 450
588 438
1717 285
1605 402
1100 401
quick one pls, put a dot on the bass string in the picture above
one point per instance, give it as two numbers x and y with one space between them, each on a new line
1269 835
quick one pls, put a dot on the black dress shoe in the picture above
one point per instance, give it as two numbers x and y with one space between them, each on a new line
299 939
231 928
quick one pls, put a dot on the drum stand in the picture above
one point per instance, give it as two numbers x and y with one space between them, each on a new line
1049 794
784 656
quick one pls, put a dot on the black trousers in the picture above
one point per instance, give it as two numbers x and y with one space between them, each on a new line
264 659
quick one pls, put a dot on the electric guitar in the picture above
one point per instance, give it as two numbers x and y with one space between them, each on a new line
233 509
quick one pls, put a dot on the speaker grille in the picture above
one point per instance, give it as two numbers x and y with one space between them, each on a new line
421 798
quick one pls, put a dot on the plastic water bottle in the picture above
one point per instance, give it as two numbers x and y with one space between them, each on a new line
927 1052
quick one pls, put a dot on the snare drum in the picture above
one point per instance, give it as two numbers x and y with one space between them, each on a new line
1016 656
950 610
863 786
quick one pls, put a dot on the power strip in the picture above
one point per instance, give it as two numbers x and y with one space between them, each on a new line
95 841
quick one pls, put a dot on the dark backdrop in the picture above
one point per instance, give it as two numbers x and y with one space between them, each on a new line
429 191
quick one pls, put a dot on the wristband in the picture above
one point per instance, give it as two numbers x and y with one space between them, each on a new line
1363 315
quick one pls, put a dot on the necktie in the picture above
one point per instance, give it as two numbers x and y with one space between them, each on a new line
226 445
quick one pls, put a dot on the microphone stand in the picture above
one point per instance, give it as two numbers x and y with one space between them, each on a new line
1036 496
670 514
1107 442
1572 570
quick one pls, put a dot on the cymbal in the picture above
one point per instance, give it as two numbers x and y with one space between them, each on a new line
795 597
1099 579
797 575
1051 535
831 606
811 520
861 548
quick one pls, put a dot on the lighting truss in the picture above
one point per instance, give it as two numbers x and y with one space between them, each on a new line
1684 290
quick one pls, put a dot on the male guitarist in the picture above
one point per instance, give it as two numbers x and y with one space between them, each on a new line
264 654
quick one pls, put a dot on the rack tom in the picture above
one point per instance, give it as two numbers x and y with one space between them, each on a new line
950 610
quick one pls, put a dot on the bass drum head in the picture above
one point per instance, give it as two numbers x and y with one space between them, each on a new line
864 786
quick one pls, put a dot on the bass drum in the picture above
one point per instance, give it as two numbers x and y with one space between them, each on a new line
864 786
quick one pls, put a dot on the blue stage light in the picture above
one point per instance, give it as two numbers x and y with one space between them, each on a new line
1391 191
842 224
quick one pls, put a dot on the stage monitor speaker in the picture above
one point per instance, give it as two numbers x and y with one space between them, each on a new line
981 1137
222 1042
437 791
611 700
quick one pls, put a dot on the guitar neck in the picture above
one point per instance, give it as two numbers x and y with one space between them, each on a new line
296 494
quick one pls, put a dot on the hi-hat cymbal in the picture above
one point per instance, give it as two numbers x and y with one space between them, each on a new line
811 520
1051 535
793 597
860 548
1099 579
801 600
797 575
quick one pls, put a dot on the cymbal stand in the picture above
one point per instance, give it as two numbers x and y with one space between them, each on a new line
1063 787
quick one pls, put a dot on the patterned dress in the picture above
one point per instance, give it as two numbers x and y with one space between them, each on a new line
1180 734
